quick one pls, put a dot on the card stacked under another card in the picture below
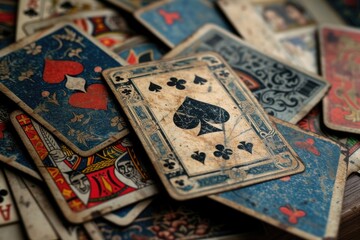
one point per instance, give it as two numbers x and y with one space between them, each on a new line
107 124
201 127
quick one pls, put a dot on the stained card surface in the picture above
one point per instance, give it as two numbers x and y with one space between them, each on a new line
201 127
108 180
35 10
12 150
307 204
56 77
174 21
283 91
340 59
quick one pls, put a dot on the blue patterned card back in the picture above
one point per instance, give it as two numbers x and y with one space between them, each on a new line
307 204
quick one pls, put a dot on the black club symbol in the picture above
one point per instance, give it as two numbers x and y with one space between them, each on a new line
3 193
179 83
180 182
224 73
126 92
168 164
223 152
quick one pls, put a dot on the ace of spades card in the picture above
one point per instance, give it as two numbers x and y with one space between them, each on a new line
201 127
55 77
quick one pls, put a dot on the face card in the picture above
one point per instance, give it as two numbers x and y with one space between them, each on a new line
174 21
99 24
169 219
8 212
8 11
201 127
284 91
54 78
276 20
307 204
127 215
340 58
36 10
12 151
131 5
86 187
139 50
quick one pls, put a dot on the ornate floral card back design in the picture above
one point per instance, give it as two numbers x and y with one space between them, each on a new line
201 127
54 78
340 64
284 91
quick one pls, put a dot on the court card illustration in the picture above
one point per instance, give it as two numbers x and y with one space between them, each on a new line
106 181
201 127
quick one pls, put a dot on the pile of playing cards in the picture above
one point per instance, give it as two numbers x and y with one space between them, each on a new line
175 119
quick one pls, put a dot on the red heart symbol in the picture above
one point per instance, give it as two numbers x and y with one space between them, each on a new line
2 128
55 70
95 98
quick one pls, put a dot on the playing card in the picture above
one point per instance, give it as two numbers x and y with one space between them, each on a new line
62 228
7 22
127 215
168 219
131 5
37 10
307 204
100 24
284 91
12 151
281 26
86 187
174 21
139 50
55 77
201 127
34 220
8 212
313 122
339 60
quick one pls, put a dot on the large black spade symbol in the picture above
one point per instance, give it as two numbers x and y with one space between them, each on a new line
191 113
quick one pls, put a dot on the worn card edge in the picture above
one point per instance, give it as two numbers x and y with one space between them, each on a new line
16 46
171 189
326 102
201 31
87 214
131 216
334 215
138 15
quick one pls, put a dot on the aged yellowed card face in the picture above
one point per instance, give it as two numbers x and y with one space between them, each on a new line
200 125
